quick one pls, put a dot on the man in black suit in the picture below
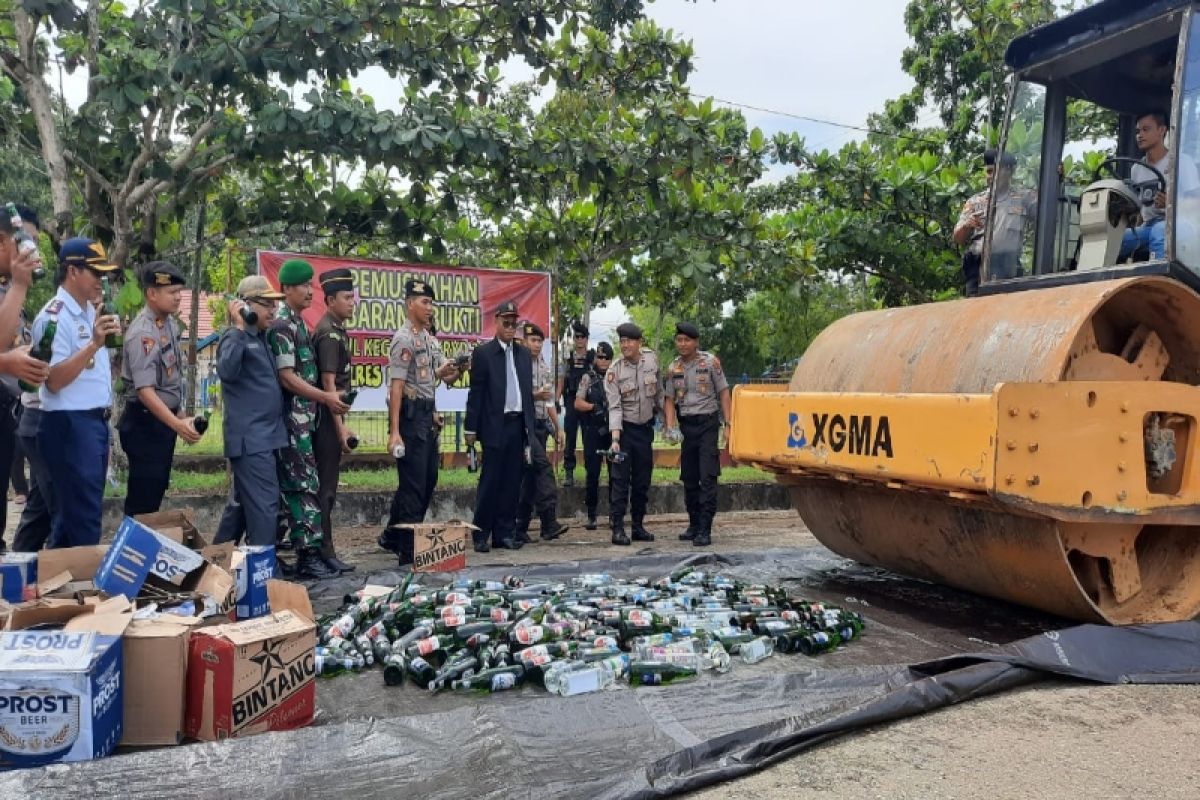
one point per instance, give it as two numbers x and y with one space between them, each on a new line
500 416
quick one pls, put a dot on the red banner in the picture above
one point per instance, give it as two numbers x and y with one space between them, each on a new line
466 299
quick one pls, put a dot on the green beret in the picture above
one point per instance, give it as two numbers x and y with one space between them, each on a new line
294 272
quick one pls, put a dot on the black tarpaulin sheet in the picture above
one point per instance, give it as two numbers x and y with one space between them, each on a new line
374 741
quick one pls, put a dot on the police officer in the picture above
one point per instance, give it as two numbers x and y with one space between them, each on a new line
332 438
296 366
151 370
577 362
634 392
697 397
16 365
73 437
415 365
253 414
591 405
537 485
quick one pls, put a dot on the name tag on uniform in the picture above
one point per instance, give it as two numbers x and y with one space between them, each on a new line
253 346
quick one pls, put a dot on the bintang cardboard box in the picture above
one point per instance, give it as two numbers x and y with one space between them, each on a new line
60 696
441 546
257 675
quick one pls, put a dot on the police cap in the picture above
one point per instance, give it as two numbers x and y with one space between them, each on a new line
687 329
627 330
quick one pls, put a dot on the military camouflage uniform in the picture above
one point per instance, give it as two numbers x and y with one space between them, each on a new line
292 348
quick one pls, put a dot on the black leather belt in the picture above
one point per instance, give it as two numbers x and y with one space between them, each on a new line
696 417
513 414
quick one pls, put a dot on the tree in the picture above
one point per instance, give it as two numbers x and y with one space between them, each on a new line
181 91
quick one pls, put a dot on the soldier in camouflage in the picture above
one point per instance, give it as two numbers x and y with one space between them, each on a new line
296 366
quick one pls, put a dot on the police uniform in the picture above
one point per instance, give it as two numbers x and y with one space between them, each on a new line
594 427
332 347
150 359
291 346
634 394
538 491
73 436
571 370
694 387
414 357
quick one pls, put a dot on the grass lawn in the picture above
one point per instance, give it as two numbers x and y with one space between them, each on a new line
385 480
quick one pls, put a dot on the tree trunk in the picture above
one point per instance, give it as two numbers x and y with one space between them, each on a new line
29 72
588 286
189 400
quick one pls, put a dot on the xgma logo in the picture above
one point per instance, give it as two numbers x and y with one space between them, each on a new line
796 437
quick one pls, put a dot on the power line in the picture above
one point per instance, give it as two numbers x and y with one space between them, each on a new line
817 120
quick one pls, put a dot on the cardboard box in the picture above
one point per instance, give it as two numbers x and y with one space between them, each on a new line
60 696
441 546
156 660
18 576
253 567
136 553
176 525
254 676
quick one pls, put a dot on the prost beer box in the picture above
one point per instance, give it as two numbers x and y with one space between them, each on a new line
60 696
441 546
257 675
18 575
253 566
136 553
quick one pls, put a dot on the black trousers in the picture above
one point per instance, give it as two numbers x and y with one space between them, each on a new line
538 491
595 438
20 484
253 507
416 473
327 449
699 466
631 476
9 410
500 482
150 446
33 530
571 425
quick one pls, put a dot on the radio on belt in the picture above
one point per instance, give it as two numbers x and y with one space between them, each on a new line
61 696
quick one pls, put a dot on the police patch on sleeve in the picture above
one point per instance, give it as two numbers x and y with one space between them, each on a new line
147 344
405 355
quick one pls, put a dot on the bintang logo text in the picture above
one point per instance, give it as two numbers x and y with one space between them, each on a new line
277 680
439 550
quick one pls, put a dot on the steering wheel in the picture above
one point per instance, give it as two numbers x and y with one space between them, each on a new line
1158 183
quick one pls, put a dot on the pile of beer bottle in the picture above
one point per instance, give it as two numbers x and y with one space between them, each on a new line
570 638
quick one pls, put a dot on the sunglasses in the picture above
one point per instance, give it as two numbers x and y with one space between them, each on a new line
581 336
508 323
606 358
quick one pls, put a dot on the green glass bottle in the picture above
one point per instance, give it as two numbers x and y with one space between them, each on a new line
394 670
498 679
42 351
200 421
114 340
657 673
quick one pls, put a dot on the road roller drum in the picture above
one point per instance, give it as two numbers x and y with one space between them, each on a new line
1034 446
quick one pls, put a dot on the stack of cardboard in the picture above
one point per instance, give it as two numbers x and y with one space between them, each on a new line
136 644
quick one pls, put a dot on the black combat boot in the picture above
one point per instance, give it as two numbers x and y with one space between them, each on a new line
703 537
591 520
618 532
521 534
569 479
551 527
692 527
329 556
640 534
310 567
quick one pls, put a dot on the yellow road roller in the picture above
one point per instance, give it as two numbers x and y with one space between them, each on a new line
1037 442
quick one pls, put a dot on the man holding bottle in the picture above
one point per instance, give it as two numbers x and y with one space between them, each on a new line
77 394
151 368
332 438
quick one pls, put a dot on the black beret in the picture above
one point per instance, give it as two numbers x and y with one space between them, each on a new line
161 273
687 329
580 329
627 330
416 288
531 329
604 349
337 280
